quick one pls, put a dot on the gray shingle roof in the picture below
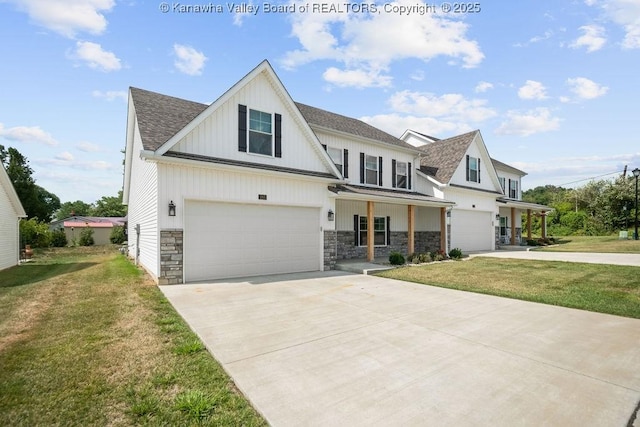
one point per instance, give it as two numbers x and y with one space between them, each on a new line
327 119
504 166
162 116
443 157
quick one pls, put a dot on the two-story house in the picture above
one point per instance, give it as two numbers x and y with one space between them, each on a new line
255 184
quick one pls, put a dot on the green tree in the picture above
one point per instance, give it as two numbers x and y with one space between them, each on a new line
109 206
37 202
69 209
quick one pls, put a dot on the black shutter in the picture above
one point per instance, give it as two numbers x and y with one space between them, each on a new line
508 189
356 228
478 171
409 176
393 173
345 164
380 171
361 168
467 167
388 231
278 120
324 146
242 128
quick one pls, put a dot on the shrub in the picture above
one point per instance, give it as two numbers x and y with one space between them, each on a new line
58 238
396 258
86 237
117 235
425 257
455 253
438 255
35 233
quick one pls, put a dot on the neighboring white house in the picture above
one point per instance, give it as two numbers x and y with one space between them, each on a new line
11 211
256 183
487 192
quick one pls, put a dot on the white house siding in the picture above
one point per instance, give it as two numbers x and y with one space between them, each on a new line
510 176
143 210
9 250
356 147
486 168
474 228
217 135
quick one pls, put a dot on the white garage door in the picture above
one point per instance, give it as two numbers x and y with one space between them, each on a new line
471 230
223 240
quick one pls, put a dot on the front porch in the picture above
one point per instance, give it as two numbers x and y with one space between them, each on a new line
510 224
371 223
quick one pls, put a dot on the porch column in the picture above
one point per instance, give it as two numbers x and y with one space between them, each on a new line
529 224
370 232
543 220
411 229
513 226
443 229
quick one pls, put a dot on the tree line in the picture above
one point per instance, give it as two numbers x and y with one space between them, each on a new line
598 208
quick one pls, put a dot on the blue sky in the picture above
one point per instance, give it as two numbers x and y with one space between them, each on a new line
552 85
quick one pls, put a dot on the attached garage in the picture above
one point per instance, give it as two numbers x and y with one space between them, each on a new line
223 240
471 230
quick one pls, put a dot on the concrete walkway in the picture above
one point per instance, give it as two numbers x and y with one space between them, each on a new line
326 349
591 258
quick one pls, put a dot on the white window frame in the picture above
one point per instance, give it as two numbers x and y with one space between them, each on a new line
513 189
403 175
503 183
258 131
476 170
336 154
367 157
363 229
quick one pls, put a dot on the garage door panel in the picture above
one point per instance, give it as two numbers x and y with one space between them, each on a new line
233 240
471 230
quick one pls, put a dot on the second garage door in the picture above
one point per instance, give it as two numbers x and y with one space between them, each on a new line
471 230
223 240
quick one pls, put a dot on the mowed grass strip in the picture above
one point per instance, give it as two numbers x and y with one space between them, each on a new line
608 289
604 244
86 339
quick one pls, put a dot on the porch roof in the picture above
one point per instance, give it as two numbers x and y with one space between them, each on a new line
356 192
518 204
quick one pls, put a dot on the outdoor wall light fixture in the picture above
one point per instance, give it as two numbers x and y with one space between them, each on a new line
636 173
330 215
172 209
497 217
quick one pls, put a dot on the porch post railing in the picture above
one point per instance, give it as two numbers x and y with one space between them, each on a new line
370 232
411 229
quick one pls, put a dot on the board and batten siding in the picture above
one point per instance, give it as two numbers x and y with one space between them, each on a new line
199 182
9 250
460 175
356 147
143 209
426 218
217 135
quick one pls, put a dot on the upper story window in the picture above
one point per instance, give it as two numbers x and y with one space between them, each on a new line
260 133
400 174
336 156
371 170
502 183
473 169
513 189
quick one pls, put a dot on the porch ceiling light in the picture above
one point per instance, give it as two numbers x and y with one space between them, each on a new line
172 209
330 215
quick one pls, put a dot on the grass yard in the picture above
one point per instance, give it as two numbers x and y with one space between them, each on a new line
87 339
602 288
609 244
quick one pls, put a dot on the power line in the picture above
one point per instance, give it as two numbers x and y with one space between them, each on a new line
588 179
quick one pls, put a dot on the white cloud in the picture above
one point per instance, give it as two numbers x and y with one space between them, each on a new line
626 14
27 134
68 17
188 60
356 78
395 124
593 38
451 106
528 123
111 95
88 147
483 87
371 42
95 57
65 156
532 90
417 75
585 88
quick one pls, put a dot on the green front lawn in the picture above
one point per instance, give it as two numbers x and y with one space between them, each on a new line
601 288
609 244
86 339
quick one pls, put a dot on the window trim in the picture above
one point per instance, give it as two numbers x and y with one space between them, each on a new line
360 231
271 134
397 175
513 183
376 170
340 153
503 184
476 169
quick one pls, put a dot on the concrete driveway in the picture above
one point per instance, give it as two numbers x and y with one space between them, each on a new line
329 349
586 257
